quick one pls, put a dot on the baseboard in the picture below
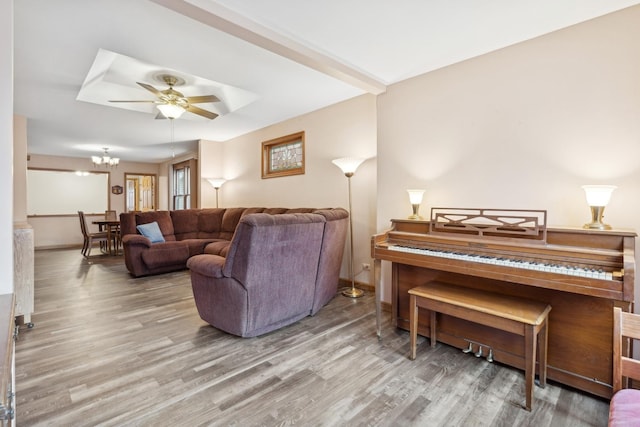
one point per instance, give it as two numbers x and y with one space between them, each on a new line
45 248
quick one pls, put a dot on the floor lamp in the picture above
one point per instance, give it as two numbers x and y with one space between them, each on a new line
216 183
348 165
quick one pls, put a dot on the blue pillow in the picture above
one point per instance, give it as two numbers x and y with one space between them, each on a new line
151 231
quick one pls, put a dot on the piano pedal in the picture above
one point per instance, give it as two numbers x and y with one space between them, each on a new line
490 356
468 349
479 353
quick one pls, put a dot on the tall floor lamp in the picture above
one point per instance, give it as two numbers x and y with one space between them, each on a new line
216 183
348 165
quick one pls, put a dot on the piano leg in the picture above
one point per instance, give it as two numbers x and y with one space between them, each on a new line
378 291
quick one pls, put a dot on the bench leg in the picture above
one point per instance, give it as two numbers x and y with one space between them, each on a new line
542 358
529 363
413 324
432 337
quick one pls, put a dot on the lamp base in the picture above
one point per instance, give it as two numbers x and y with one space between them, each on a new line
597 226
596 219
352 292
414 217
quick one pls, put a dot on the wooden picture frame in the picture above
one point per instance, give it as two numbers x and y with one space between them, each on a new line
283 156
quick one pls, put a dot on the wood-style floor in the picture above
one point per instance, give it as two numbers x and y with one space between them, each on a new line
111 350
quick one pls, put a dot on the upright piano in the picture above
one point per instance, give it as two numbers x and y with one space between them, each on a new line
581 273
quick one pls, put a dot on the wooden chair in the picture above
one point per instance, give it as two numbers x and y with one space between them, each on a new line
624 409
89 238
114 231
110 215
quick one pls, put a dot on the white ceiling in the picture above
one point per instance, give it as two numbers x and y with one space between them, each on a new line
292 56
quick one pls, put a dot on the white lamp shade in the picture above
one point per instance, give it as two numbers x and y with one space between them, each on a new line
415 196
598 195
348 164
216 182
171 111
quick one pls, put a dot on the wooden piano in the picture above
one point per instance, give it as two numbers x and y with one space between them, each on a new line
581 273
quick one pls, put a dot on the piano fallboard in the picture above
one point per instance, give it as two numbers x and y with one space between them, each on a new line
583 274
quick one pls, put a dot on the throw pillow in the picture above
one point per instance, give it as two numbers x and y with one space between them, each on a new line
151 231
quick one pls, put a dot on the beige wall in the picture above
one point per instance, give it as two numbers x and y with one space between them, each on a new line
347 129
65 230
523 127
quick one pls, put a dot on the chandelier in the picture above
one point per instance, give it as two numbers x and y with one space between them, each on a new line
105 159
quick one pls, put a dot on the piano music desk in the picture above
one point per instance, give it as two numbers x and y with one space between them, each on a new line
519 316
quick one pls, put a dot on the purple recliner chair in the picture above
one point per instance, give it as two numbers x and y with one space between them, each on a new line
268 278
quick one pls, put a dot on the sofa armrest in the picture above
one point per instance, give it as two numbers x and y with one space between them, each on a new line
207 265
136 239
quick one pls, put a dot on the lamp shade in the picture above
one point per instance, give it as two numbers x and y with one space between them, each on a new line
216 182
171 111
348 165
598 195
415 196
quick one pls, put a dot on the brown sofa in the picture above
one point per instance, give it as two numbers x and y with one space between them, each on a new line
278 269
186 233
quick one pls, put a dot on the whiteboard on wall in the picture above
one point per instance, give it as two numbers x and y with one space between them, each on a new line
60 192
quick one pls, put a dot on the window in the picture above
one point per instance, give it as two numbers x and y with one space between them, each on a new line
184 185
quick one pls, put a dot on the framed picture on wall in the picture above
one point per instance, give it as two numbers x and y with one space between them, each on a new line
283 156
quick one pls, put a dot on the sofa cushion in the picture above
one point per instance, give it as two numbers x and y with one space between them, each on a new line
210 223
230 220
221 247
151 231
185 223
166 254
196 246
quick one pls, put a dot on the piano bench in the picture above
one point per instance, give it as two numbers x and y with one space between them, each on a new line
519 316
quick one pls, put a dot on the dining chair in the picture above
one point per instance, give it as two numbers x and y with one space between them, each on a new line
110 216
89 237
113 231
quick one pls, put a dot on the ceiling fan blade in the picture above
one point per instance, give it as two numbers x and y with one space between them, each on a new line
147 101
199 111
202 99
151 89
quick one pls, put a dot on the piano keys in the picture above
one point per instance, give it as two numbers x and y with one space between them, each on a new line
581 273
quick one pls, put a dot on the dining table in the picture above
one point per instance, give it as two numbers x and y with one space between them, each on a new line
112 227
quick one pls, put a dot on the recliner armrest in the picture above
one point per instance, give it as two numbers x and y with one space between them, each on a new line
136 239
207 265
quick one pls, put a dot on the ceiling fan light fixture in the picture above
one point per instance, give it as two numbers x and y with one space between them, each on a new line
171 111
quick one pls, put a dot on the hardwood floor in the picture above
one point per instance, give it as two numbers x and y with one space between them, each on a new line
111 350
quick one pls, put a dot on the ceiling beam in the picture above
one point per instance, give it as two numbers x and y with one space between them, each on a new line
221 18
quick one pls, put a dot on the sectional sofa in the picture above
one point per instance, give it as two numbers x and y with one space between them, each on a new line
253 270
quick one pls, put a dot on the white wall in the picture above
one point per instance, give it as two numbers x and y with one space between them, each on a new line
347 129
63 231
523 127
6 147
19 169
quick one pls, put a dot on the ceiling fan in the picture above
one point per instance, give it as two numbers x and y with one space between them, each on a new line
172 103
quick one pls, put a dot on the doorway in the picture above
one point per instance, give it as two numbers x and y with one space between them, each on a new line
140 192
